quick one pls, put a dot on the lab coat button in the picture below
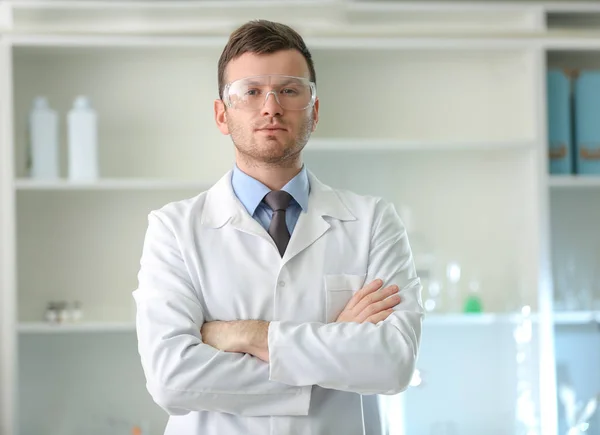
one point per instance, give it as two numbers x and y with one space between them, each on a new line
281 283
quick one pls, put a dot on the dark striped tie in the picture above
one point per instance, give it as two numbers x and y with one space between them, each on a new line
279 200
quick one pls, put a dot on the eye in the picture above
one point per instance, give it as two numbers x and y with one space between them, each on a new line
252 92
289 91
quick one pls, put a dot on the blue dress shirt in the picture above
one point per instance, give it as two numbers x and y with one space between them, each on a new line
251 193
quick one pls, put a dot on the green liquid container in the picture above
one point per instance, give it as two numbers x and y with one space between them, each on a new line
473 302
473 305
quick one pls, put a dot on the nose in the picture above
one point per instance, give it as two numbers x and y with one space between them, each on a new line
271 107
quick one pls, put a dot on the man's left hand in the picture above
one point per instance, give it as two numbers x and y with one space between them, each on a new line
242 336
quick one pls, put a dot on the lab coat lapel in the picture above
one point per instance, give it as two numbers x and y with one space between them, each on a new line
222 208
322 201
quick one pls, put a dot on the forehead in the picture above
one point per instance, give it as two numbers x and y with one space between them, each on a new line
284 62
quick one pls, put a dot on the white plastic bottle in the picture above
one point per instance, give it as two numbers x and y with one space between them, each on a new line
43 141
83 141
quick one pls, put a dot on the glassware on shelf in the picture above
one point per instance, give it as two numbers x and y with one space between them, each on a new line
453 273
576 285
60 312
577 415
566 286
433 296
473 302
51 313
526 420
63 312
76 312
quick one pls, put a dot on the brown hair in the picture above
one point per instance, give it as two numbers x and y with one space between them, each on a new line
262 37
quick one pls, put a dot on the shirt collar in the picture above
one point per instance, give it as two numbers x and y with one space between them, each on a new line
251 192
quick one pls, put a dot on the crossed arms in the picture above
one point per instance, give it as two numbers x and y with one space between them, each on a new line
256 368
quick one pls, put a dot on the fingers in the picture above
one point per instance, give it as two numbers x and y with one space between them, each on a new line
375 297
366 290
379 307
376 318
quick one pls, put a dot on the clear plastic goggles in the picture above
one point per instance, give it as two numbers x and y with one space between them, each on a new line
251 93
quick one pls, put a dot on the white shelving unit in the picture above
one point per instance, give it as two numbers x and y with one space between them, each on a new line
575 318
574 210
437 106
574 182
132 184
88 327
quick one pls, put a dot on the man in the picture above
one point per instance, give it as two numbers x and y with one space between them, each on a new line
273 304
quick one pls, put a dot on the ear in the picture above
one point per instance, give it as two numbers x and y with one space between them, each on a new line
315 114
221 116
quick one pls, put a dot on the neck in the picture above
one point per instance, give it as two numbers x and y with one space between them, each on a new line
274 176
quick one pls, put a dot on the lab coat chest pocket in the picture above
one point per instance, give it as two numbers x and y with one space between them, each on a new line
339 288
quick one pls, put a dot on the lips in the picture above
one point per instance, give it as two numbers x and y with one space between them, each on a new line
274 128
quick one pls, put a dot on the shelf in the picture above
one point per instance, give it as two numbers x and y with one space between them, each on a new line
162 16
316 145
349 42
574 181
576 318
571 6
308 16
349 144
66 328
110 184
572 40
369 38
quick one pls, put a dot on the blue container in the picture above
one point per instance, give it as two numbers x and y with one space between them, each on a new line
560 122
587 123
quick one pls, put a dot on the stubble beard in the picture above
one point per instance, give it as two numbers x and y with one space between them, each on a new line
264 154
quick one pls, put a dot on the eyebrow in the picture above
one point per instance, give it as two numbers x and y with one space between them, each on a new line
290 80
252 82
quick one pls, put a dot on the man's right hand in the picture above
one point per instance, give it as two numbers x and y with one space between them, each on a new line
371 303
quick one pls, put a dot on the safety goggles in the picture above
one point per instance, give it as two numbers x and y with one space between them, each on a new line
251 93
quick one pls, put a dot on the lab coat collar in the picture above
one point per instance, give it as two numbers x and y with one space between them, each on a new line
223 206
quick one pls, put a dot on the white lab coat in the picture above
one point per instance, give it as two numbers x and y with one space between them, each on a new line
206 259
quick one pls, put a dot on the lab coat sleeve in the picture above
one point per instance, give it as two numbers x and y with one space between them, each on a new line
182 373
362 358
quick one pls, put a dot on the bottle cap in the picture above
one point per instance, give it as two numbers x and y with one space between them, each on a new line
40 103
81 102
135 430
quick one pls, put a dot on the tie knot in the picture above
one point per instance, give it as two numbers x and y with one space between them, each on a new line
278 199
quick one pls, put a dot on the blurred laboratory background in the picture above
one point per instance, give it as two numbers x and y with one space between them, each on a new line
479 120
